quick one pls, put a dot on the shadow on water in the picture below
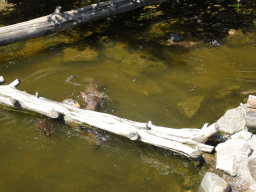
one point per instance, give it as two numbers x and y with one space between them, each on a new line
23 10
150 26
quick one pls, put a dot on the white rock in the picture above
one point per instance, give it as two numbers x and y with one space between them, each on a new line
233 120
213 183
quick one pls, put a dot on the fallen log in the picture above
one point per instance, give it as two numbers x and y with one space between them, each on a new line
60 21
187 141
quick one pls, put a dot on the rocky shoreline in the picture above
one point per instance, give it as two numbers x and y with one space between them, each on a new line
234 163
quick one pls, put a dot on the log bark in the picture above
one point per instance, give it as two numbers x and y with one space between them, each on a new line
187 141
60 21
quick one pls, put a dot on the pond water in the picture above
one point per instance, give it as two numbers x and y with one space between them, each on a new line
144 79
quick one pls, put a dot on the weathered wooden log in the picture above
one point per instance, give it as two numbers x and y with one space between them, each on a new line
185 141
60 21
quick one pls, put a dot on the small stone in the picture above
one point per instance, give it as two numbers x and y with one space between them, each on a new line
215 43
208 158
175 37
71 102
232 32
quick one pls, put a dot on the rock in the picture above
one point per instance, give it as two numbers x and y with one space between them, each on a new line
242 135
252 167
71 102
215 43
250 120
237 158
233 153
248 92
78 54
226 91
239 38
252 158
233 120
175 37
213 183
253 146
208 158
135 63
190 106
116 53
232 32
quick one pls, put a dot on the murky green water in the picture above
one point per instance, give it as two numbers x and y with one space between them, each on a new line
144 80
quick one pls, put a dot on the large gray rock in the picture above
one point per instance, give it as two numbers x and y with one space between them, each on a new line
233 120
233 153
213 183
237 158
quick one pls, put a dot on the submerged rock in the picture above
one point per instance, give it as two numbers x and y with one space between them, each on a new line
190 106
116 53
227 91
80 54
